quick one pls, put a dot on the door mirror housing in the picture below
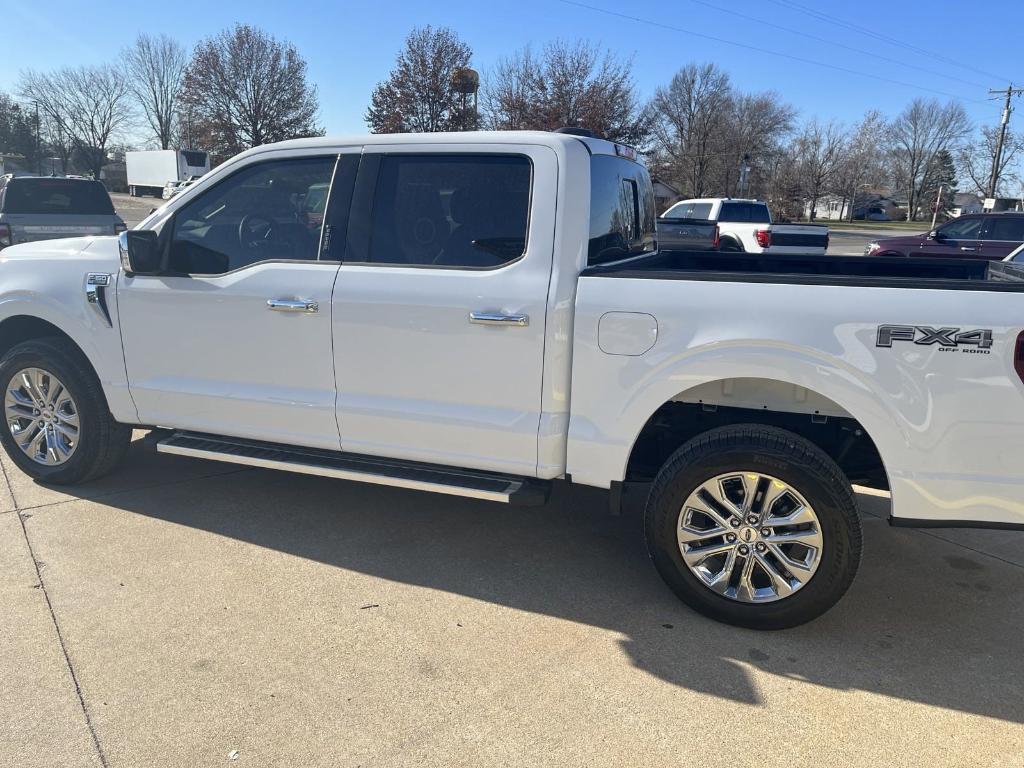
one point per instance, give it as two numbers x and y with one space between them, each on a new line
140 252
937 235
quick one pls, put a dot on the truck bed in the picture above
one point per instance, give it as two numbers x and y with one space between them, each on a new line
934 273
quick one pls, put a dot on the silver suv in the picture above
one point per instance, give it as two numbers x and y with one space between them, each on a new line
44 208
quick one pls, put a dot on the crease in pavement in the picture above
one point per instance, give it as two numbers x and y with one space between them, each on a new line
56 626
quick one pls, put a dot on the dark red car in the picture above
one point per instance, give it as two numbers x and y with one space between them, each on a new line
990 236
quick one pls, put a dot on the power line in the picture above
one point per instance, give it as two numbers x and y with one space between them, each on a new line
773 25
836 21
766 51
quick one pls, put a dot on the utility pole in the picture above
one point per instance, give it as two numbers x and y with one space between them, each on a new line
997 158
39 143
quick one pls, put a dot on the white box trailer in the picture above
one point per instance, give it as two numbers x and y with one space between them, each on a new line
149 171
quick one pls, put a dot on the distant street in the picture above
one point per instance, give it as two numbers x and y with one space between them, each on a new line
851 242
134 209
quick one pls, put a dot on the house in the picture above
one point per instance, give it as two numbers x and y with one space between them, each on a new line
873 206
965 202
664 194
831 207
999 204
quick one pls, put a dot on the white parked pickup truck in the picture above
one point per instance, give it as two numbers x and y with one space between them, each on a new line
746 225
481 314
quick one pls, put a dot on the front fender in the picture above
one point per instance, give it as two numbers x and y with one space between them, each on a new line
51 286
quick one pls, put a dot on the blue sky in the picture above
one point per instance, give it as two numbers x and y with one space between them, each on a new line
351 46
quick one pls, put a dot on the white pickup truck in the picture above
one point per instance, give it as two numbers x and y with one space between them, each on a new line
746 225
481 314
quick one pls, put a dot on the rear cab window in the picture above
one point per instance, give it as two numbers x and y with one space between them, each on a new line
56 196
622 212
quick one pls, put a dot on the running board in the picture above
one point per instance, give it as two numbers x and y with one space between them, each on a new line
364 469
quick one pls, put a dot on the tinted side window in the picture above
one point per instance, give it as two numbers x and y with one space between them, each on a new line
759 213
62 196
734 212
469 211
1006 228
755 213
271 210
962 228
622 212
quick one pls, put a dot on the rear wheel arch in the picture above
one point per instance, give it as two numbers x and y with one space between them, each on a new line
730 243
821 420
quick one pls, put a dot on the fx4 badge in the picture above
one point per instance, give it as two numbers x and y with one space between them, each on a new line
977 341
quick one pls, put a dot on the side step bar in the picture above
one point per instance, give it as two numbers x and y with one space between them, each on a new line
365 469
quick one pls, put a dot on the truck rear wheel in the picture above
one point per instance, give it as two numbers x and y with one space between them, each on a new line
57 427
754 526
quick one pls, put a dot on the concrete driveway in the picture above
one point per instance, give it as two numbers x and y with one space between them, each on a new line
190 613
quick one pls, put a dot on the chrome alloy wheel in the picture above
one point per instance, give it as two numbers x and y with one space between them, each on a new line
42 416
749 537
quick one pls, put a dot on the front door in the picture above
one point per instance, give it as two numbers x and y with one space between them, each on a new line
439 308
957 239
236 338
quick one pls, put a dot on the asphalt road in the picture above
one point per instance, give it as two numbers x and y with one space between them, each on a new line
191 613
134 209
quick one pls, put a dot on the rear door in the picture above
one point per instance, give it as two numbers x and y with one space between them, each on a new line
439 305
1001 236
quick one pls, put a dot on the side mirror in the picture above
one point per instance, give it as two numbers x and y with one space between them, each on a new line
140 252
936 235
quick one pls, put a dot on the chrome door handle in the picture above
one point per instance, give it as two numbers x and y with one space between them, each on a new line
493 318
965 248
293 305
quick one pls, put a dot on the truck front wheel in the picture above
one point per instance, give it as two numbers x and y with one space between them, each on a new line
57 427
754 526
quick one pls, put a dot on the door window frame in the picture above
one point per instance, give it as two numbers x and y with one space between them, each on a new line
365 197
334 193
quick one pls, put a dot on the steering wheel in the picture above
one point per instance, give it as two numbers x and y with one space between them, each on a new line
253 229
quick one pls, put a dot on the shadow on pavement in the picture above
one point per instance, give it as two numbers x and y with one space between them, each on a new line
926 621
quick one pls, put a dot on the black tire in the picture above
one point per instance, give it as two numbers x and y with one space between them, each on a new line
892 255
728 245
103 441
792 460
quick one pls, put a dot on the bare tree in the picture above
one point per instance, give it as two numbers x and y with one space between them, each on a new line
705 132
863 161
755 129
819 152
156 70
916 137
418 94
975 159
568 84
244 88
688 117
88 105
